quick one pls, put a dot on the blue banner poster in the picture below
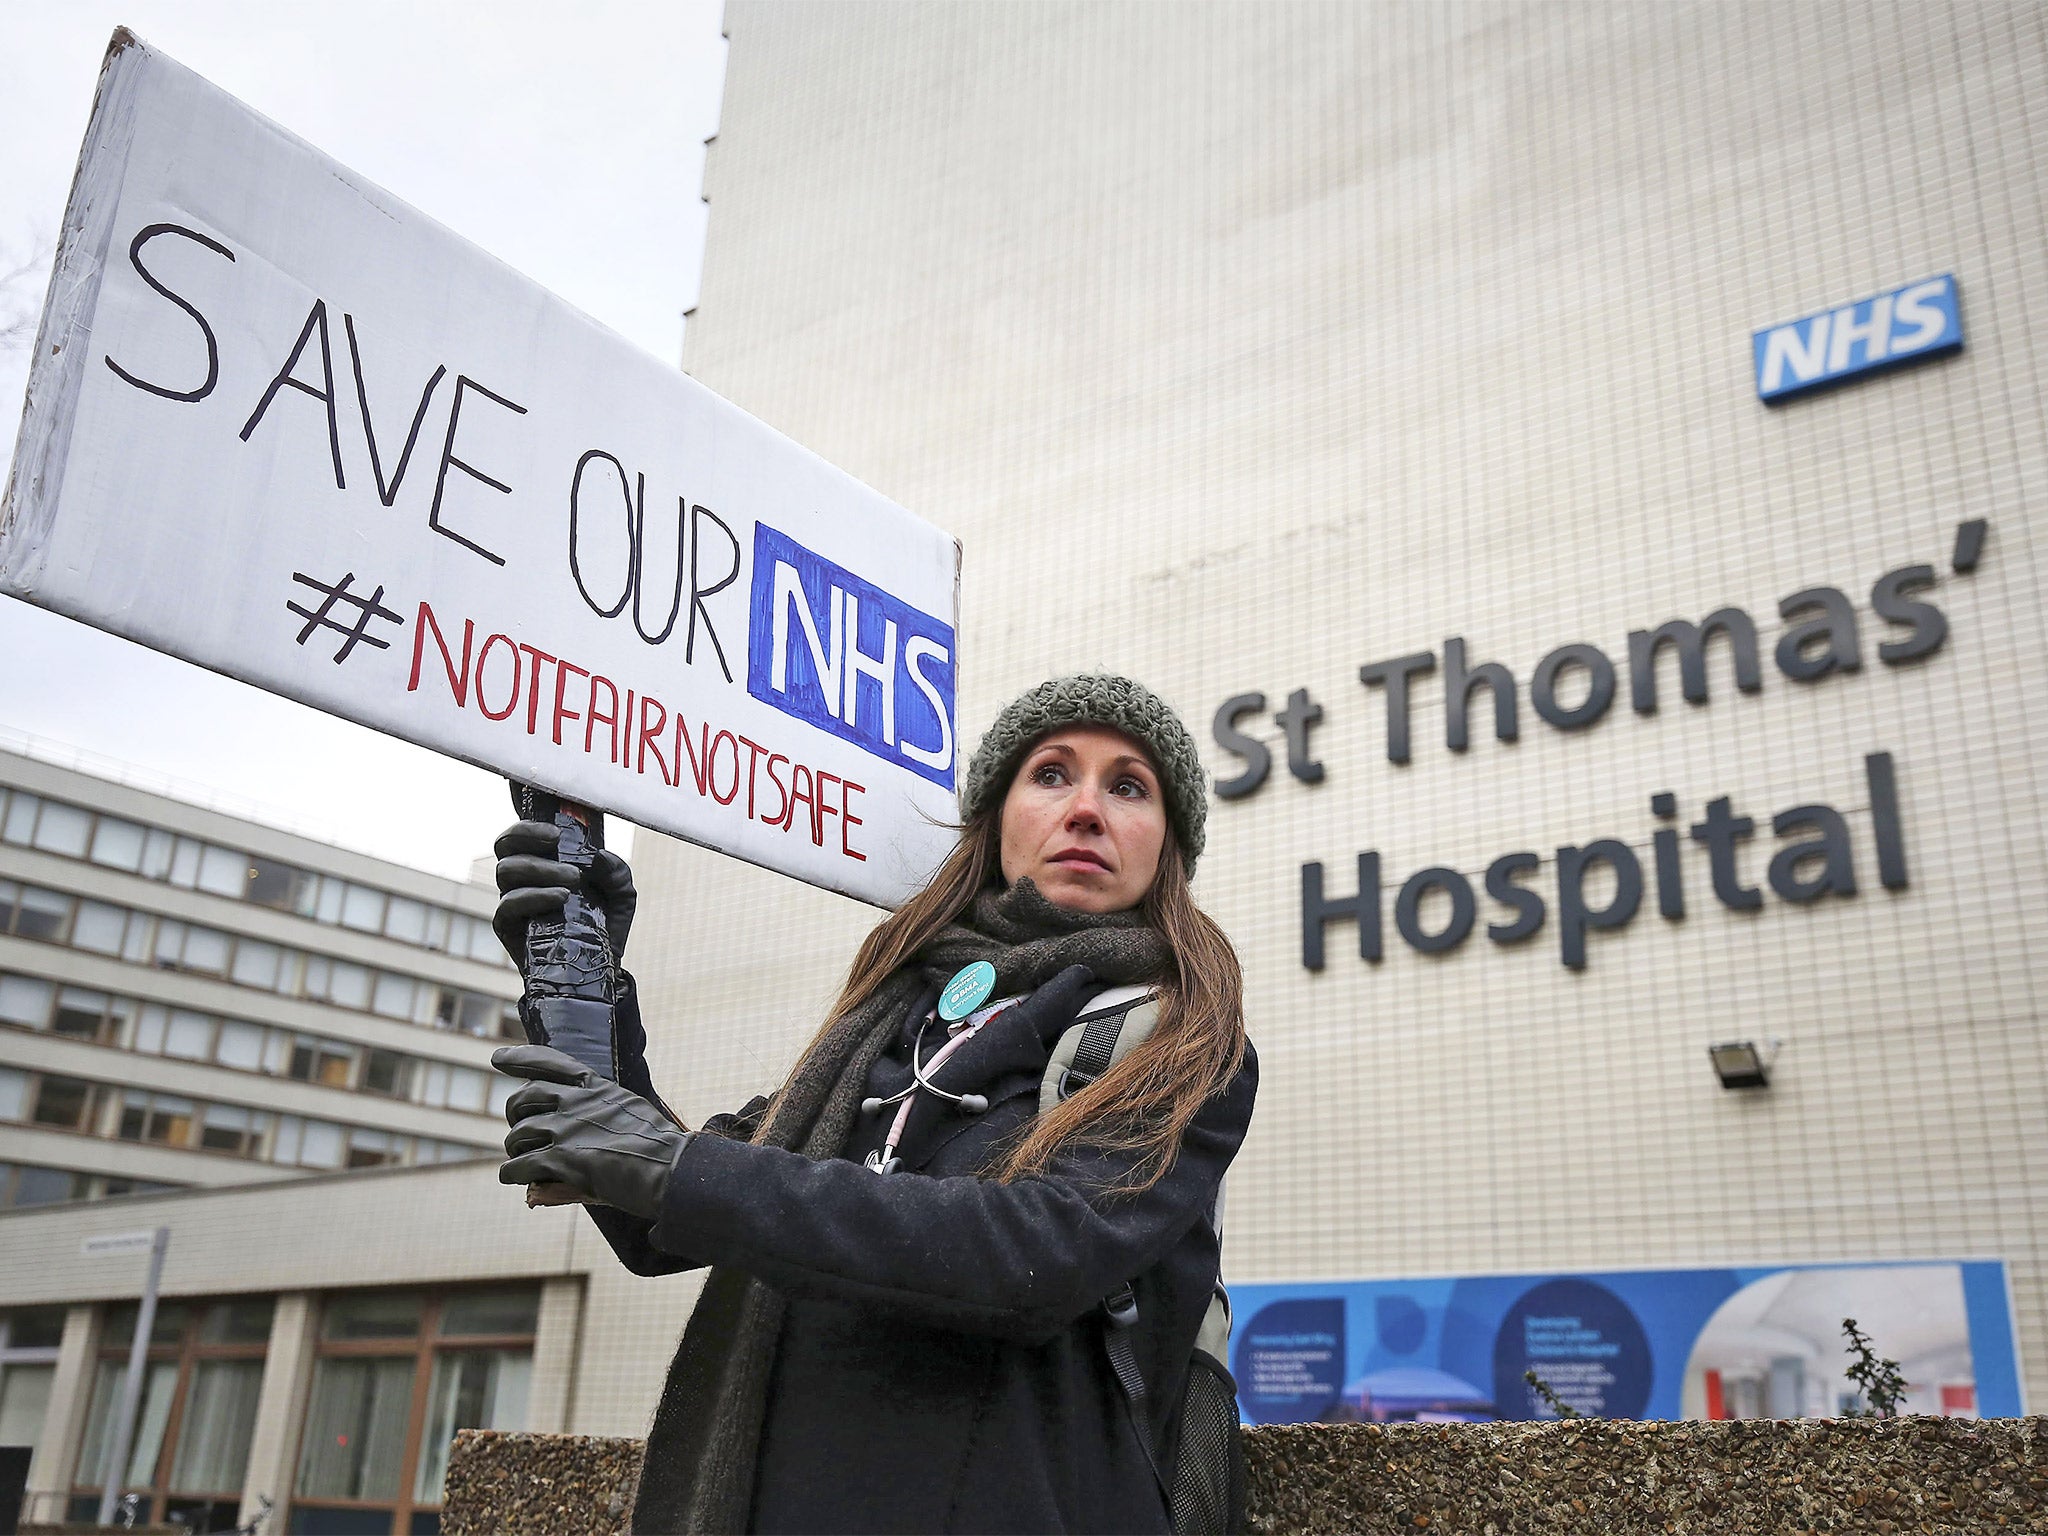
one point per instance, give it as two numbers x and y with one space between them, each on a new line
1761 1342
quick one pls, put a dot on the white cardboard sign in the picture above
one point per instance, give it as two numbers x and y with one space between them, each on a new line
285 426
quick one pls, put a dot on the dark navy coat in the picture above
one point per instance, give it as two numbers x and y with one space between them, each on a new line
942 1365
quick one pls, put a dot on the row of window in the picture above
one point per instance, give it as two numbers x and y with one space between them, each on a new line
156 1029
72 831
28 1184
142 938
171 1120
397 1374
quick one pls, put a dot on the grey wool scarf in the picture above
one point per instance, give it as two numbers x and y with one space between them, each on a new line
698 1471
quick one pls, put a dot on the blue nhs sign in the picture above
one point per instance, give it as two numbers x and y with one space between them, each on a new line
1913 322
840 653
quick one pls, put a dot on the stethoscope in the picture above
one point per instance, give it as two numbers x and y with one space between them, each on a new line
960 1006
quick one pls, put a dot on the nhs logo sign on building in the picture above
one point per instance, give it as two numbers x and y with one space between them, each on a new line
840 653
1914 322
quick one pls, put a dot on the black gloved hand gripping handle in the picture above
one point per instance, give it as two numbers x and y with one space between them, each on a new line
572 980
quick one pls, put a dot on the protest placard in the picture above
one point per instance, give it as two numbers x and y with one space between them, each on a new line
285 426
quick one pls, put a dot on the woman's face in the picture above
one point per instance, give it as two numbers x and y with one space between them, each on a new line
1085 820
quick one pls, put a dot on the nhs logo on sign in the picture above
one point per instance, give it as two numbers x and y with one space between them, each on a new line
845 656
1908 325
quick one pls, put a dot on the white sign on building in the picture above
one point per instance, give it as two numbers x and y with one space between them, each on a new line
285 426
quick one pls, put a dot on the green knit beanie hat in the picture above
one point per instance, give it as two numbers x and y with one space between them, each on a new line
1099 699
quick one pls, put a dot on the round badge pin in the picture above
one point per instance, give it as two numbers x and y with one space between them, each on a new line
967 991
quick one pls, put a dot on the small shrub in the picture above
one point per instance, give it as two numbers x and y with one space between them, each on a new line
1880 1381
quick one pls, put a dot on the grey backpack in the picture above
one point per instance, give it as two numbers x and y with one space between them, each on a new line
1205 1485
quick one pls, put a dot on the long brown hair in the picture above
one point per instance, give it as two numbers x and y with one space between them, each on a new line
1145 1102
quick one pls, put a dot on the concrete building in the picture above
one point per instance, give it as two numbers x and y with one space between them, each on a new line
1248 347
317 1345
193 998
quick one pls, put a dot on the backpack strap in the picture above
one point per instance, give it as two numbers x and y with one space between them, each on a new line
1107 1029
1120 1318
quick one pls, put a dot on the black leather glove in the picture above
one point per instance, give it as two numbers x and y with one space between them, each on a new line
532 883
1053 1007
570 1126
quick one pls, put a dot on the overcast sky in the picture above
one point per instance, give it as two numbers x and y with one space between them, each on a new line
566 139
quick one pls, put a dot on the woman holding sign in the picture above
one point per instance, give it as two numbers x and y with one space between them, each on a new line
961 1258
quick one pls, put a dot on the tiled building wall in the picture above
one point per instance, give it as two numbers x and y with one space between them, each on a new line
1241 346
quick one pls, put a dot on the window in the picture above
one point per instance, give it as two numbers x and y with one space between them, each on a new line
484 945
362 908
256 964
99 927
374 1149
229 1128
222 872
387 1072
185 863
348 985
189 1035
21 818
119 844
393 996
13 1093
472 1389
28 1364
388 1362
271 884
159 1382
320 1145
25 1000
156 855
31 1328
406 920
466 1088
42 915
480 1014
197 1416
81 1014
315 1060
24 1397
240 1045
49 1186
67 1102
63 829
206 951
156 1117
354 1446
474 1313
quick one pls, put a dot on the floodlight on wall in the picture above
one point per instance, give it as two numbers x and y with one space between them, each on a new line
1743 1063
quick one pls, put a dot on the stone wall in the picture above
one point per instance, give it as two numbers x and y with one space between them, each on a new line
1593 1477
